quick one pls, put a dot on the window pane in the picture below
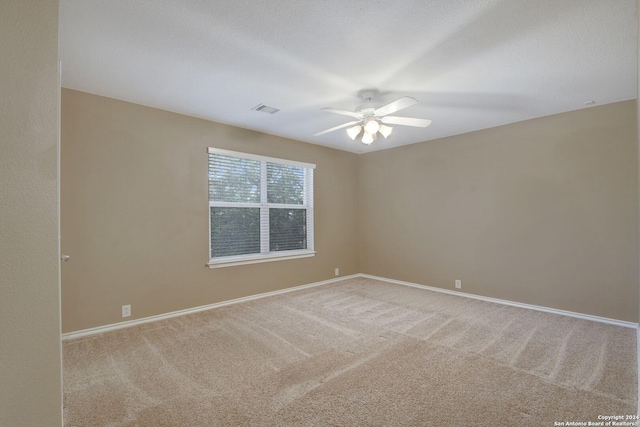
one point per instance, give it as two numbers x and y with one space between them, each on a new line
287 229
233 179
285 184
235 231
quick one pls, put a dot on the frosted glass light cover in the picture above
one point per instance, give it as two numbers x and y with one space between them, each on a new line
371 127
385 130
354 131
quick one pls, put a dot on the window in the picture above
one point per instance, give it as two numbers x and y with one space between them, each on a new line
260 208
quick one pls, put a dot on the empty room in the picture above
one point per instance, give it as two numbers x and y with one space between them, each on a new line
320 213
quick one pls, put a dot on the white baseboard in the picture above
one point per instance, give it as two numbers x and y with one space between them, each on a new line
507 302
130 323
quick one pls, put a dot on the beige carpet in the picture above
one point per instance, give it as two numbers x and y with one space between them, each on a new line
355 353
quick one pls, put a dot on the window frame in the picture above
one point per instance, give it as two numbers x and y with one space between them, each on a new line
265 254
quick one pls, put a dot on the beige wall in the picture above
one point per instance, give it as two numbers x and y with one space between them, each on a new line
30 372
542 212
135 212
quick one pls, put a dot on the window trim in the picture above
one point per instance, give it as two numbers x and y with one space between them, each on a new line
267 256
231 261
259 158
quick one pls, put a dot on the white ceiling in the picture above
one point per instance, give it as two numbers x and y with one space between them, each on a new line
471 64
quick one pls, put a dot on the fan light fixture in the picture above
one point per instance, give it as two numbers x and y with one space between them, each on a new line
370 121
369 131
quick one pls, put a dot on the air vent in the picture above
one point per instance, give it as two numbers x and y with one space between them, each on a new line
265 109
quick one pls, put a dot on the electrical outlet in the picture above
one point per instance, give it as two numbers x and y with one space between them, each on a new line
458 284
126 310
337 271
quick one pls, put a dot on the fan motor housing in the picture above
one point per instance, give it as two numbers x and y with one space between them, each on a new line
366 110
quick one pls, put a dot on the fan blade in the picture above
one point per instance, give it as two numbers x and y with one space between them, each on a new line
337 127
405 121
344 113
398 105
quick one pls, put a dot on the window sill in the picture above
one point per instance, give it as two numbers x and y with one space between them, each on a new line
255 259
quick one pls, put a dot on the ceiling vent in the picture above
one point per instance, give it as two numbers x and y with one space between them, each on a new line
265 109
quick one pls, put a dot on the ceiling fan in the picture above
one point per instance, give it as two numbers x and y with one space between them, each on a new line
370 120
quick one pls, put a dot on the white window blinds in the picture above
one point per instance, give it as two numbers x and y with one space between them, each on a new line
260 208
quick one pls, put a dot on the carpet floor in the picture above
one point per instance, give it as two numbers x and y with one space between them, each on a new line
359 352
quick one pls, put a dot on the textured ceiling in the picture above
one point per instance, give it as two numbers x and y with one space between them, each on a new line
471 64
